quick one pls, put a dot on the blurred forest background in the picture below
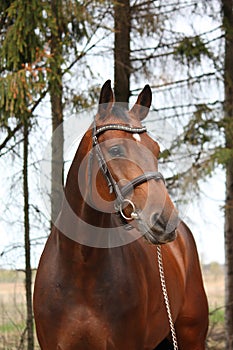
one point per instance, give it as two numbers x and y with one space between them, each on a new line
54 57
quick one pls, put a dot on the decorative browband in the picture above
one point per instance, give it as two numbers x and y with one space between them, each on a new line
133 130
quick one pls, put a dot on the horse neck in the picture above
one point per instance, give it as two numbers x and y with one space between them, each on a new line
88 227
80 200
74 208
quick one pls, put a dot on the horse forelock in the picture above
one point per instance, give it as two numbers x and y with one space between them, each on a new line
120 113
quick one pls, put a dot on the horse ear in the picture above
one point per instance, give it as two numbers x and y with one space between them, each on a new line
143 103
106 99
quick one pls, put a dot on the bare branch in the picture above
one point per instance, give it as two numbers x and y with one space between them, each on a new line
11 133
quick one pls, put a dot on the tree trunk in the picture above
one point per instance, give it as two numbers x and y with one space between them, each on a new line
228 111
28 271
122 66
56 91
57 152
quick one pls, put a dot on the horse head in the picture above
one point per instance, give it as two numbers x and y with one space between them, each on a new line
123 172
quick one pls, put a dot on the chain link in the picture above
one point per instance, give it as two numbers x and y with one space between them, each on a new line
165 296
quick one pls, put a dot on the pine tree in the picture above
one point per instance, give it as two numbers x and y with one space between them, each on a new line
21 81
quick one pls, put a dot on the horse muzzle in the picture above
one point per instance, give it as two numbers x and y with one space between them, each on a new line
156 238
159 230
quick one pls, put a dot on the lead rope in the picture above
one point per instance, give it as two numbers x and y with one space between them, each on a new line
165 296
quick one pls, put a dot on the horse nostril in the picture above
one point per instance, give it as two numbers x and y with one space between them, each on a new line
156 220
153 219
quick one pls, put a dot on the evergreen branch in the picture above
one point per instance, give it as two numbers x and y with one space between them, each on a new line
165 54
171 44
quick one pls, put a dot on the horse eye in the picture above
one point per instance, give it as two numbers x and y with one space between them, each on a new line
116 151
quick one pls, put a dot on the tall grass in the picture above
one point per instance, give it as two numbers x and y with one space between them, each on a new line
12 311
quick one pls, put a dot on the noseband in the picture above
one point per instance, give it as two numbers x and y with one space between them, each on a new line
122 192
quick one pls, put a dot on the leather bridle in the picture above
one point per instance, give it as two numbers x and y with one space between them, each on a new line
121 192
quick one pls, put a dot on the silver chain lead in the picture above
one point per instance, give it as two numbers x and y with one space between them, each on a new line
165 296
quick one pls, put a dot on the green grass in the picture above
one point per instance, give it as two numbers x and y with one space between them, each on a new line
10 327
217 316
216 334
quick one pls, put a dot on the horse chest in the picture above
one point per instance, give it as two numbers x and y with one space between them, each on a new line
113 302
113 289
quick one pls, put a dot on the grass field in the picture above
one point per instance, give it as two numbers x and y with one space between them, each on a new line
12 308
214 284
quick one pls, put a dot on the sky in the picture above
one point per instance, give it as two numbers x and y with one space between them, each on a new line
205 217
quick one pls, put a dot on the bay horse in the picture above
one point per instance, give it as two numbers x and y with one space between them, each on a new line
98 284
